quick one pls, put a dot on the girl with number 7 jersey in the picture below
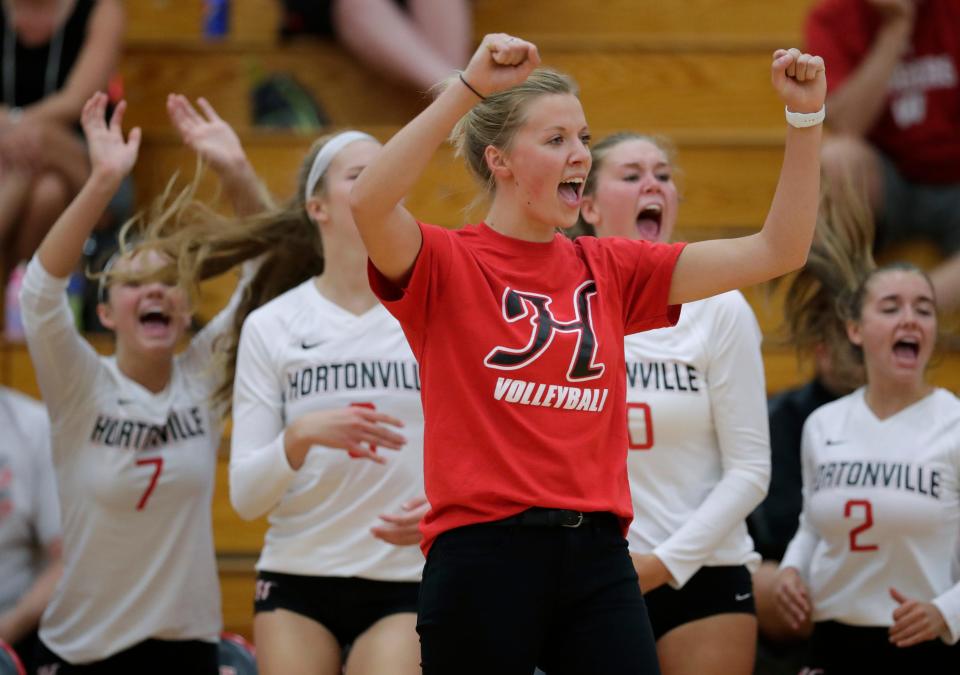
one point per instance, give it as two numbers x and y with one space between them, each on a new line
134 438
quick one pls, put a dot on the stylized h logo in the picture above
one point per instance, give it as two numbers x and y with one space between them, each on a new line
518 305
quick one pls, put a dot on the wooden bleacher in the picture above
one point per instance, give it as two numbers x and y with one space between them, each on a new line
696 70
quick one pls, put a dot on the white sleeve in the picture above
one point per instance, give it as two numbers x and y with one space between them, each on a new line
203 343
948 602
949 605
739 409
46 502
65 364
259 471
799 552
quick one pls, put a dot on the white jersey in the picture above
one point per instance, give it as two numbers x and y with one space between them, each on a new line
881 509
29 514
699 459
135 473
301 353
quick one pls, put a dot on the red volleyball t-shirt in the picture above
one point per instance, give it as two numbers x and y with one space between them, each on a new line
520 346
919 128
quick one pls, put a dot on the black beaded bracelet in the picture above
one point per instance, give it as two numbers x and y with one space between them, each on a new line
467 85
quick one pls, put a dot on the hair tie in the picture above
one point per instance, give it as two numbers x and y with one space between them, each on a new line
330 150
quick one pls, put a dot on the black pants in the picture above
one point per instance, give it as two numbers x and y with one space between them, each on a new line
506 598
150 657
841 649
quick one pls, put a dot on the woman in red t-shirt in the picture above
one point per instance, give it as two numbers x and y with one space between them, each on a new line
519 335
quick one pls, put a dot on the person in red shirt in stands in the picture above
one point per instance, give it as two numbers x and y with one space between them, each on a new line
894 101
519 335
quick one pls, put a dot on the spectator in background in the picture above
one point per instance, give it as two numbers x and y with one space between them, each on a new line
55 54
30 545
418 42
894 100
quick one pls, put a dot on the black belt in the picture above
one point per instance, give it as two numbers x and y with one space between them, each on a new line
538 517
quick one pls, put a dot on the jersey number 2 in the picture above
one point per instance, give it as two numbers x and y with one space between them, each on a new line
639 426
157 470
862 527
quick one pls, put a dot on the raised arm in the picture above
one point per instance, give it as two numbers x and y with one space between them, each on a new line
388 230
111 159
710 267
215 141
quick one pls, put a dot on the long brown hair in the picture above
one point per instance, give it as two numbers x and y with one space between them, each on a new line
818 299
202 243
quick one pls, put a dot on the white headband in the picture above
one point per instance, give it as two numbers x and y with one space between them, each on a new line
330 150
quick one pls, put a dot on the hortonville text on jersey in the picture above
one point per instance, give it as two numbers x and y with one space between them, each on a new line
521 392
663 376
897 475
352 375
139 435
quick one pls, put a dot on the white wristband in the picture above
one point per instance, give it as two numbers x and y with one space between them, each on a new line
803 120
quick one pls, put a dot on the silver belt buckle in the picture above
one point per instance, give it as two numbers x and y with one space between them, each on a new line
578 522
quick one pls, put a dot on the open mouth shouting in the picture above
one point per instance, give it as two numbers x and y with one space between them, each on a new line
570 191
649 220
906 351
154 321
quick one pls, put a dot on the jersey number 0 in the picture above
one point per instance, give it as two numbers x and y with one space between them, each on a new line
639 426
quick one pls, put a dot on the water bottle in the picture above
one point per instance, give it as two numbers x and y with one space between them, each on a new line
216 19
13 322
75 289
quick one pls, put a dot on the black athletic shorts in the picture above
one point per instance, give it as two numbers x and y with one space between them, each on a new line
712 590
841 649
150 657
346 606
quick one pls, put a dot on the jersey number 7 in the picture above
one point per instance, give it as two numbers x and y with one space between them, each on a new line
157 470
